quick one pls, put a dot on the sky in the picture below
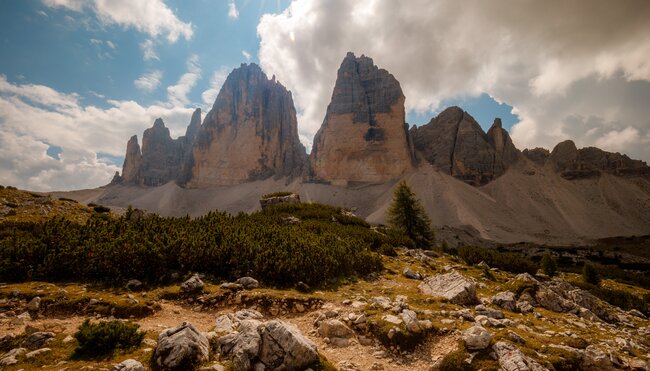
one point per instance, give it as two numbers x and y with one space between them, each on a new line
79 77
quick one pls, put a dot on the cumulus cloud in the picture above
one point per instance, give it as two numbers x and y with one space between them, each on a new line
232 10
33 117
149 16
217 80
552 61
177 93
149 81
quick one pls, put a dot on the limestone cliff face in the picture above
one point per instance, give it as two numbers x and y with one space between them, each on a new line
162 159
364 137
573 163
250 133
455 143
132 162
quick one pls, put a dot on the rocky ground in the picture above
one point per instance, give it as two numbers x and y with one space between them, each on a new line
426 311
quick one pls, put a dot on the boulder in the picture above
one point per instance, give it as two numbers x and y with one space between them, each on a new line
193 285
408 273
284 347
594 359
133 285
37 339
505 300
512 359
34 305
129 365
181 348
334 328
12 356
292 198
37 353
248 283
452 286
243 346
476 338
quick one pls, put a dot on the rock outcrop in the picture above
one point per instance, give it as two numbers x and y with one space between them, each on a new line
250 133
364 137
162 159
181 348
455 143
573 163
452 286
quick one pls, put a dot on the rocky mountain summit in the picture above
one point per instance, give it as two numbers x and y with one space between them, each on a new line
250 133
363 137
455 143
162 159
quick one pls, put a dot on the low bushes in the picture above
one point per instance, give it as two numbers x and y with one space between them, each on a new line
511 262
103 338
321 248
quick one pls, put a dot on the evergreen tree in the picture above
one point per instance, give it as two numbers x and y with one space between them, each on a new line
407 215
590 274
548 265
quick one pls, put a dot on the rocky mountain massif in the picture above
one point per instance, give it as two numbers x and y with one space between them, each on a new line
467 179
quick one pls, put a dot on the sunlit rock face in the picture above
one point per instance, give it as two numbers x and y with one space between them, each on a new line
249 134
363 137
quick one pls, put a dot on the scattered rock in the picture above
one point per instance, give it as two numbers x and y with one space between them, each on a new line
11 357
334 328
594 359
128 365
192 285
133 285
505 300
181 348
37 353
34 305
37 339
477 338
408 273
452 286
512 359
248 283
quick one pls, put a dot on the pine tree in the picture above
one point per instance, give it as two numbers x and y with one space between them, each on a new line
548 265
590 274
407 215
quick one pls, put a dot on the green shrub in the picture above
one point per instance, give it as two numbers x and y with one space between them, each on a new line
590 274
101 209
455 361
548 265
318 251
511 262
103 338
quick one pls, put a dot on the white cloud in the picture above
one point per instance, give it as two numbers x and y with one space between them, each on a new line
110 44
217 80
246 55
551 61
177 94
149 16
232 9
33 115
148 51
149 81
42 13
96 41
